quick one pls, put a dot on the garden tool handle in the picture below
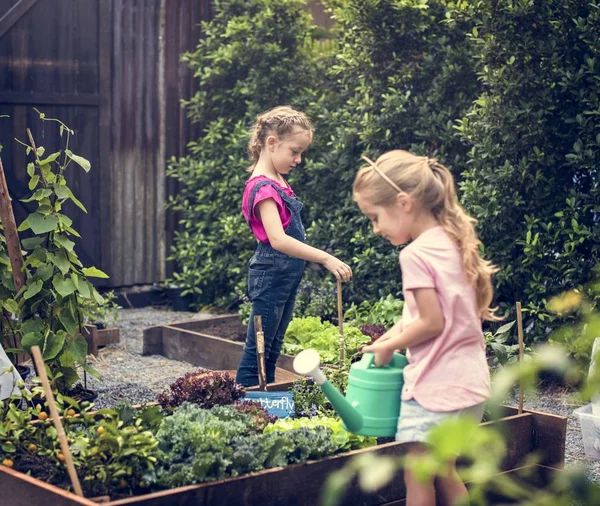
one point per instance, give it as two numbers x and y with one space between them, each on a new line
340 320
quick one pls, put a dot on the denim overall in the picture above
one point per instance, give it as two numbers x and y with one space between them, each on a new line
273 279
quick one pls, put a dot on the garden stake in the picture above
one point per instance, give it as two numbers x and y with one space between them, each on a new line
260 353
340 321
520 332
64 445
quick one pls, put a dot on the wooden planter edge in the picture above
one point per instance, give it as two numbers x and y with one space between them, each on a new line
523 431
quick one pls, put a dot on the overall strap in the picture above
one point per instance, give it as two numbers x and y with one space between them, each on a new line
258 186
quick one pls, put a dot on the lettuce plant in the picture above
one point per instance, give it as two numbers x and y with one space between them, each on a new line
204 388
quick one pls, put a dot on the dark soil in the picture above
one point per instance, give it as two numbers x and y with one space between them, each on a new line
231 330
42 468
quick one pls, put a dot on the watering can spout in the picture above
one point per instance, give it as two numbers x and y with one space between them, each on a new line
307 363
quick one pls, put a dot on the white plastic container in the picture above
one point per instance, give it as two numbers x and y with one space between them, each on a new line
590 430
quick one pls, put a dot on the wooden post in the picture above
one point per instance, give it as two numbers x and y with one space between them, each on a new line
64 445
340 320
521 352
10 233
260 353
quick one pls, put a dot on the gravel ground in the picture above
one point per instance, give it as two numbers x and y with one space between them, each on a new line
128 375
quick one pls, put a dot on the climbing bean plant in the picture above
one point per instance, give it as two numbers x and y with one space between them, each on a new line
48 310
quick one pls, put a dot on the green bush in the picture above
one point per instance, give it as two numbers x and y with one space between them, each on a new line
394 74
401 77
532 180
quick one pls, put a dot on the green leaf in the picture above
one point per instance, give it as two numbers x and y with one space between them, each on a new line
77 202
23 226
45 272
53 344
64 242
42 224
50 158
62 192
505 328
32 339
33 182
61 260
41 194
64 287
66 318
93 272
84 290
33 289
91 371
32 325
78 347
11 306
32 242
79 160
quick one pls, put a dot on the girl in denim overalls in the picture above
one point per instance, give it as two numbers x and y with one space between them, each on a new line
278 139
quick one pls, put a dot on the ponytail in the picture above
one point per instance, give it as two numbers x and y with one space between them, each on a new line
461 228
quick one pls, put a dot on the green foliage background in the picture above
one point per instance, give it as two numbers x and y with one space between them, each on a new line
504 93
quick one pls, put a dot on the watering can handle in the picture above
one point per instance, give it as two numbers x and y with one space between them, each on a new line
370 360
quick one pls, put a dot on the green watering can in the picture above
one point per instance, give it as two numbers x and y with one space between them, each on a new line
372 403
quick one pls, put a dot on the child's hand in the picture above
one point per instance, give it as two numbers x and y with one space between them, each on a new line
338 268
383 354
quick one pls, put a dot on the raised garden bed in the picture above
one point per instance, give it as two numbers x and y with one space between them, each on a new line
97 338
525 433
215 343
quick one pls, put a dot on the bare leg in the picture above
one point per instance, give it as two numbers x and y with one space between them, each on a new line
451 488
418 493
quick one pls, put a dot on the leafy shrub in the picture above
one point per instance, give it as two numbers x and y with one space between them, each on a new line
500 347
532 176
204 388
386 311
316 297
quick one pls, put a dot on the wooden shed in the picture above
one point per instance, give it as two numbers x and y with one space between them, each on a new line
110 70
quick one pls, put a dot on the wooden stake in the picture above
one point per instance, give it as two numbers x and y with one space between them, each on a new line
340 320
13 245
521 352
64 445
260 353
10 233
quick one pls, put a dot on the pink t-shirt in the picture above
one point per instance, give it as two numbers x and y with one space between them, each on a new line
265 192
448 372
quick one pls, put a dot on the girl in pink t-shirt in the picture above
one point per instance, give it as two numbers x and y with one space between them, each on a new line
447 290
272 211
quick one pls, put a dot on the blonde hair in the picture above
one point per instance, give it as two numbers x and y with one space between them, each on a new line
432 185
281 121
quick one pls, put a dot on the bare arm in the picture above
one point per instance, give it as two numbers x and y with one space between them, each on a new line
269 216
428 325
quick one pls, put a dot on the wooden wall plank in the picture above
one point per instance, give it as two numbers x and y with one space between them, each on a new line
16 12
105 197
